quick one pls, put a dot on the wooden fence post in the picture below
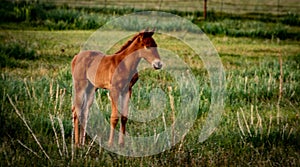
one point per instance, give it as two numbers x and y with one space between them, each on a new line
204 11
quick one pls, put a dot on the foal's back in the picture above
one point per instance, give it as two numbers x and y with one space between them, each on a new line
85 65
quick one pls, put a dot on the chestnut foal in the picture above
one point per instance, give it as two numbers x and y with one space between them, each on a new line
117 73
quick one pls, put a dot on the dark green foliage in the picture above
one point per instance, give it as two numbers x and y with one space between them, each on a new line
55 17
18 51
18 11
291 19
11 54
239 28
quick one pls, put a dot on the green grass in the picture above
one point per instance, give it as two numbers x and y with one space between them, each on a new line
252 130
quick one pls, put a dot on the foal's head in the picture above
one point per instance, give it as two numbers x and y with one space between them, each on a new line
147 49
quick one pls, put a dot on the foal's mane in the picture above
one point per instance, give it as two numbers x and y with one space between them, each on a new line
128 43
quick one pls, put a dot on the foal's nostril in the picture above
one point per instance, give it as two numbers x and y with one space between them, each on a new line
157 64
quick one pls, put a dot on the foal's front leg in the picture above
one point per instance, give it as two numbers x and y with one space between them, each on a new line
124 115
114 95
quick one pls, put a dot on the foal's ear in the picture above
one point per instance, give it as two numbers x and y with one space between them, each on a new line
146 34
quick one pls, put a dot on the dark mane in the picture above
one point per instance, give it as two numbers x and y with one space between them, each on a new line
127 43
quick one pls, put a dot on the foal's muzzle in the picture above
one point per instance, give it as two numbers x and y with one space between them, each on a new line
157 64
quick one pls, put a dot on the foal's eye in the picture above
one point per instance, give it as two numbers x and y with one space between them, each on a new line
147 47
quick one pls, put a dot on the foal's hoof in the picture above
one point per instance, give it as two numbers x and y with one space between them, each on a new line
77 145
110 144
121 144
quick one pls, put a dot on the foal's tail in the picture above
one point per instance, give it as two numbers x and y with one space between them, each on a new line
73 64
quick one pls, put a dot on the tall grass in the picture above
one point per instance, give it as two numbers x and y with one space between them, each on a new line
249 133
253 119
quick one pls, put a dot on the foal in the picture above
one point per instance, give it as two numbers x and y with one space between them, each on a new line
117 73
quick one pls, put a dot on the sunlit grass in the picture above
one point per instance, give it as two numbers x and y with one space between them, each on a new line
251 131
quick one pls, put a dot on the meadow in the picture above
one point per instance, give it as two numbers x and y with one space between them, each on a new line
260 125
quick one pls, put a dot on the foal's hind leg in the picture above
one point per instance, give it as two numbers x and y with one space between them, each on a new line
79 103
89 99
75 125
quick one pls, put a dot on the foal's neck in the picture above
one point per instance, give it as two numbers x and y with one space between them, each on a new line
129 56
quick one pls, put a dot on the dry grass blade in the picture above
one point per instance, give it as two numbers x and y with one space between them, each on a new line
56 98
245 121
181 142
291 131
90 146
27 88
33 135
51 90
28 149
65 150
33 90
240 125
259 123
55 134
173 114
61 100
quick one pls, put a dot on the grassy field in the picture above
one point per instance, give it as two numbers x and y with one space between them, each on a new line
259 127
254 129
